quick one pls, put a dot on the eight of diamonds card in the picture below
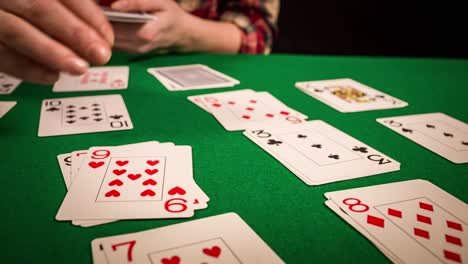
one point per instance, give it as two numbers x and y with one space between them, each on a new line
319 153
95 79
413 221
8 83
77 115
347 95
220 239
5 107
438 132
190 77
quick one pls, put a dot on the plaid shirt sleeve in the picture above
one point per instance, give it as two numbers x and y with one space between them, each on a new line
257 21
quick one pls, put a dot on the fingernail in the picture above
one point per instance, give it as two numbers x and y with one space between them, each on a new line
122 4
100 53
76 66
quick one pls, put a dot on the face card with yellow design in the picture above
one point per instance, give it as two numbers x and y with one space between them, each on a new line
347 95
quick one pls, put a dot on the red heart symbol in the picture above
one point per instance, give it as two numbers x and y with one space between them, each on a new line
116 182
148 193
113 193
134 176
152 162
176 190
173 260
151 172
121 162
213 252
149 182
119 172
95 165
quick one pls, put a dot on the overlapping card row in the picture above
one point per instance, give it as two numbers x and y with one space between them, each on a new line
314 151
148 180
410 222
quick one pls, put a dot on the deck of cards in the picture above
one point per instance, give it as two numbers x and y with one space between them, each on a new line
127 17
318 153
223 238
347 95
238 110
191 77
148 180
410 222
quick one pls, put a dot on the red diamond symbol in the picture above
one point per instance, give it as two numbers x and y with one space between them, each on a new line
249 109
426 206
394 212
454 240
284 113
246 117
454 225
253 101
375 221
216 105
231 102
424 219
452 256
421 233
269 115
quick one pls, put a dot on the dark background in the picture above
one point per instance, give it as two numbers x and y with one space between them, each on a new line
384 28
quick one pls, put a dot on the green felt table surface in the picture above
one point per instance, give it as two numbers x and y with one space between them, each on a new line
235 173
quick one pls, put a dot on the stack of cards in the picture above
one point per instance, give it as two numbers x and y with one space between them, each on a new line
147 180
95 79
239 110
127 17
88 114
223 238
5 107
438 132
191 77
318 153
410 222
346 95
8 83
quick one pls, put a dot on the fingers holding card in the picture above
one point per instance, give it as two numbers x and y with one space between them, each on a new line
95 79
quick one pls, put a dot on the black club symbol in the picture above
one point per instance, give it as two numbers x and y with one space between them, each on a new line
52 109
116 116
448 135
465 143
301 136
360 149
318 90
331 156
274 142
430 126
407 130
316 146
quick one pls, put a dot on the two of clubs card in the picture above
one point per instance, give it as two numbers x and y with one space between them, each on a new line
8 83
148 180
318 153
87 114
438 132
224 238
238 110
410 222
347 95
191 77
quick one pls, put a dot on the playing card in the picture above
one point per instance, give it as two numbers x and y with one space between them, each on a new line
77 115
190 77
65 163
437 132
5 107
223 238
8 83
127 17
203 99
95 79
240 110
413 220
319 153
147 182
347 95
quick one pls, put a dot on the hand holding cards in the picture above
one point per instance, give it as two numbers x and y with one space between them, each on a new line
223 238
